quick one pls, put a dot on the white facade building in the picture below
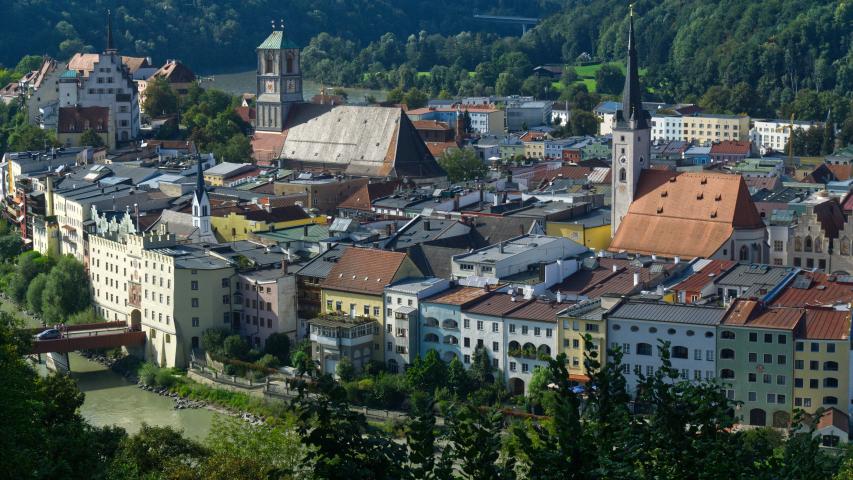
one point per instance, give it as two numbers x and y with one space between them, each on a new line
774 134
402 319
638 328
667 127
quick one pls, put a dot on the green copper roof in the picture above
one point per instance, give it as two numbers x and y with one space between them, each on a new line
276 41
69 74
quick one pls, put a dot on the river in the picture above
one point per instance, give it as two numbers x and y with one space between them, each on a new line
112 400
243 82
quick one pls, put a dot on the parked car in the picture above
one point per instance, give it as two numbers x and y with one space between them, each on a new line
49 334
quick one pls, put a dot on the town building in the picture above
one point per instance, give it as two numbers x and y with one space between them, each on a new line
523 115
103 80
822 360
769 134
402 319
441 320
179 77
639 328
74 121
729 151
583 330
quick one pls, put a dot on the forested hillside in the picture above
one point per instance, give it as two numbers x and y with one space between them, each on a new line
218 34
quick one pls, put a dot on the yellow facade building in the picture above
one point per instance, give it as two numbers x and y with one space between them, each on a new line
355 288
579 323
708 128
821 356
231 224
591 232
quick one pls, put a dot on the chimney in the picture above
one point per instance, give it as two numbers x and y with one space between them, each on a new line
677 260
559 297
426 224
501 247
654 258
636 278
615 268
487 287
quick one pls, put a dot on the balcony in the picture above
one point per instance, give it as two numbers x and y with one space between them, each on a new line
339 330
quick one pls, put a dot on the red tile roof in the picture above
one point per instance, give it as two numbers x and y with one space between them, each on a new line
364 270
705 207
430 125
729 147
841 172
701 278
769 183
827 324
750 313
79 119
514 306
836 418
847 205
603 280
247 114
823 289
533 137
175 72
362 199
437 149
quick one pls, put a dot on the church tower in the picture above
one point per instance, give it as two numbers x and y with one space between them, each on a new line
201 205
631 139
279 81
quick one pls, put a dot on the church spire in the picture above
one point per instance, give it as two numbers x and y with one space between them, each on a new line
110 46
632 96
199 183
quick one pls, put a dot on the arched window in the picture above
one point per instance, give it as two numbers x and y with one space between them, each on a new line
830 400
818 245
431 338
449 324
513 346
830 366
623 175
798 244
727 374
807 244
727 353
450 340
845 246
431 322
544 350
743 256
727 334
830 382
644 349
679 352
289 63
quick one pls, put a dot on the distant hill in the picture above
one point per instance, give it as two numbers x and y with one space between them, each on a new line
216 34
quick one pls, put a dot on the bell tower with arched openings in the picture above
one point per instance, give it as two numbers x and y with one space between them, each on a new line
631 138
279 80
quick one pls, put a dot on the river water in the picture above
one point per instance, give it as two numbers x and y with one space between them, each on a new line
244 82
112 400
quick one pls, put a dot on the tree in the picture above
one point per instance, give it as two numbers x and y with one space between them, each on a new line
538 387
155 451
301 360
427 373
415 98
278 345
474 442
569 76
421 446
507 84
538 87
609 79
31 137
213 339
583 123
235 347
462 165
66 291
10 247
345 370
160 99
35 292
457 378
90 138
238 450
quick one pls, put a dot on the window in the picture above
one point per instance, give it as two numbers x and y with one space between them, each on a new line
799 364
830 366
511 328
709 355
366 310
727 354
768 338
814 383
830 348
780 379
782 339
525 368
830 401
815 347
768 358
467 359
814 365
830 382
511 366
771 398
466 323
643 349
537 331
727 335
753 357
524 329
767 378
168 338
798 383
495 327
781 359
548 332
592 327
753 337
195 302
225 282
467 342
195 321
751 378
495 346
752 396
727 374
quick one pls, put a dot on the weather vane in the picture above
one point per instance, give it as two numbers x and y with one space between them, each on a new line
281 22
272 23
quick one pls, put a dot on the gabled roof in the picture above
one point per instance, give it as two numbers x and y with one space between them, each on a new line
705 207
669 312
79 119
84 62
364 270
359 140
836 418
511 306
135 63
816 289
750 313
827 324
362 199
175 72
730 147
704 276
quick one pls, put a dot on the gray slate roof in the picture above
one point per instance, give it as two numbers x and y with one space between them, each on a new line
671 313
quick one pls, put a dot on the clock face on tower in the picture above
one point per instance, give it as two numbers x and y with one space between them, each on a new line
269 86
291 86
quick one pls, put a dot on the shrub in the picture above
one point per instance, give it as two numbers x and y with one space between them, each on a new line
164 377
213 338
268 361
235 347
148 373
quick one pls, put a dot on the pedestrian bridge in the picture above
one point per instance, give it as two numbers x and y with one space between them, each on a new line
89 336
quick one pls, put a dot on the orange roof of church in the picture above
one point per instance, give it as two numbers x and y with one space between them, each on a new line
685 214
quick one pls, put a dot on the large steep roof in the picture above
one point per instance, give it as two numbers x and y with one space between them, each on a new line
361 141
669 207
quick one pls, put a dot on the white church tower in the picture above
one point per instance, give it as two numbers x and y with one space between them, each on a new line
631 139
201 205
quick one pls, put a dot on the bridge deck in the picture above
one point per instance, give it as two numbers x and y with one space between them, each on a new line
89 336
